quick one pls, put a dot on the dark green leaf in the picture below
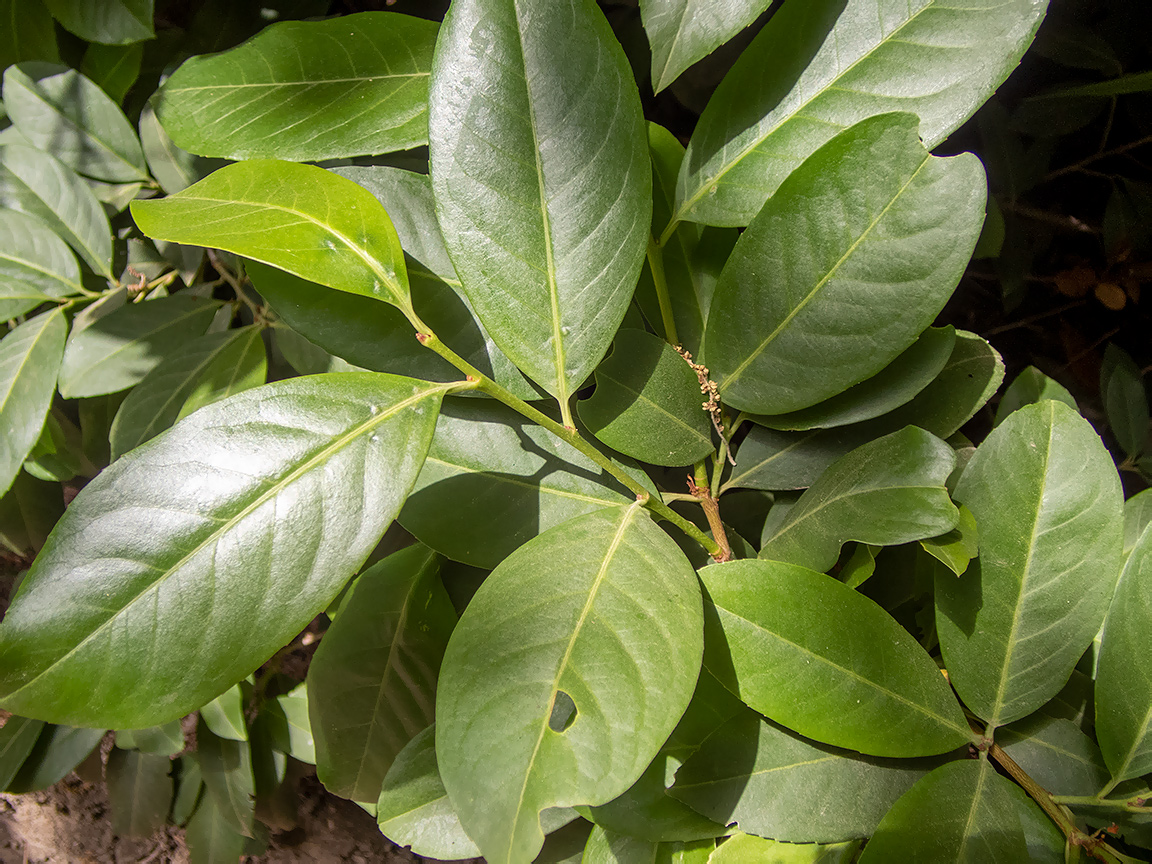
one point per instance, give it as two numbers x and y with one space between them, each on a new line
956 549
820 66
27 513
166 740
776 784
188 785
684 31
615 638
647 403
888 491
139 790
822 659
258 508
209 837
226 766
1028 387
307 90
1047 503
1055 753
28 33
18 736
1136 83
114 68
29 361
372 682
203 371
119 349
57 751
113 22
64 113
492 481
1123 680
1125 400
859 567
224 715
33 182
845 266
299 218
539 162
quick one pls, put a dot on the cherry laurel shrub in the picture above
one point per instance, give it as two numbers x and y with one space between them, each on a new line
702 569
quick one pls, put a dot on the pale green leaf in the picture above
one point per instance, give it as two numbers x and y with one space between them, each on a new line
166 740
174 169
307 90
113 22
139 791
822 65
1047 503
1137 517
1028 387
684 31
224 715
539 164
560 691
750 849
608 847
956 549
258 508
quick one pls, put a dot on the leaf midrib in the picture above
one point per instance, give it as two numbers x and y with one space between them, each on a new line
298 83
501 477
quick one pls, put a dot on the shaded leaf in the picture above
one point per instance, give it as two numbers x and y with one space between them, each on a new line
113 22
174 169
956 549
1055 753
224 715
856 680
306 472
683 31
18 736
539 163
114 68
845 266
35 265
1028 387
166 740
27 513
1047 503
209 837
289 726
139 791
56 752
1125 400
189 782
307 90
372 681
28 33
226 766
1137 517
615 654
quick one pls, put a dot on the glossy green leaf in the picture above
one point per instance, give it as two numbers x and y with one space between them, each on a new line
259 508
1028 387
226 766
956 549
307 90
56 752
962 812
37 184
372 681
1125 400
824 660
414 809
203 371
224 715
62 112
1047 503
616 641
299 218
35 265
139 790
1137 517
1055 753
773 783
174 169
165 740
210 839
492 481
750 849
539 163
647 403
609 847
18 736
1123 681
27 513
894 385
886 492
681 32
846 265
113 22
28 32
119 349
29 361
820 66
114 68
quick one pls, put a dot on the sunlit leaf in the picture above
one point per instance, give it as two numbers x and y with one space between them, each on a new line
1028 387
683 31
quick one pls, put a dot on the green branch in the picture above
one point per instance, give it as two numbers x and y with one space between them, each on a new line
660 282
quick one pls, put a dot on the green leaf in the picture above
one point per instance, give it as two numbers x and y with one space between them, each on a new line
1139 82
750 849
258 508
224 715
956 549
568 704
166 740
1055 753
414 809
64 113
299 218
209 837
860 566
962 812
773 783
34 183
1137 517
647 403
56 752
1123 681
226 765
539 163
28 33
119 349
1125 400
174 169
372 682
29 361
27 513
139 791
894 385
845 266
307 90
1047 503
1028 387
188 785
492 481
820 66
820 658
203 371
684 31
114 68
112 22
886 492
57 454
289 725
18 736
34 263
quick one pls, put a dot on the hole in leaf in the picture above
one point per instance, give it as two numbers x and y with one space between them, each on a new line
563 712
